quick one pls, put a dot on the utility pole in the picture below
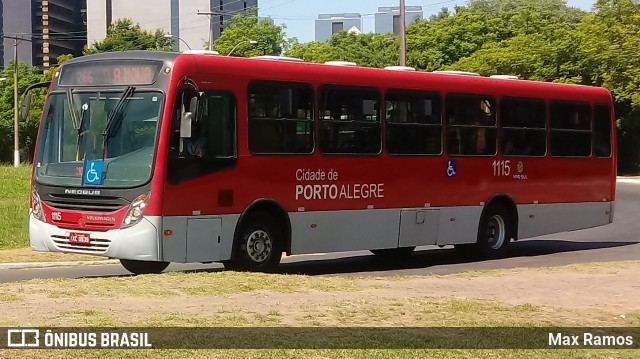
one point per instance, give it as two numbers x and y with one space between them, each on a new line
210 15
16 124
403 46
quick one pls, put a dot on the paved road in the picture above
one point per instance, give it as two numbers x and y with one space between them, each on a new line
615 242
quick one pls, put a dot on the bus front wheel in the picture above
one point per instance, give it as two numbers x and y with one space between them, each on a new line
259 245
143 267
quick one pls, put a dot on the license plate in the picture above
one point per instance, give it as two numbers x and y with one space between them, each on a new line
82 239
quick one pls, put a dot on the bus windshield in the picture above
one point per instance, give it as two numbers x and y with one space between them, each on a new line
118 128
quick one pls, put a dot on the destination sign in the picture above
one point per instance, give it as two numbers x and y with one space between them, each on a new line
110 73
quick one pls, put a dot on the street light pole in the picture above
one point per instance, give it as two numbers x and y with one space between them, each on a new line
210 15
403 46
169 36
252 42
16 125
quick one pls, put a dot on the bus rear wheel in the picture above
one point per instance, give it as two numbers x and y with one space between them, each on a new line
259 246
143 267
495 231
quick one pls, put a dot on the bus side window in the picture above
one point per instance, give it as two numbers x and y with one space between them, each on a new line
523 127
414 124
349 120
212 144
471 125
570 129
280 117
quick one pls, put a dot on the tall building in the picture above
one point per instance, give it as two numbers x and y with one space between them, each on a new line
387 19
329 24
47 29
64 29
176 17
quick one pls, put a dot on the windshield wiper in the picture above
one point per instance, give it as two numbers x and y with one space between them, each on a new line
115 118
80 129
78 124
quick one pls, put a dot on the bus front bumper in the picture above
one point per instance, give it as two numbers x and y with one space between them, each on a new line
139 242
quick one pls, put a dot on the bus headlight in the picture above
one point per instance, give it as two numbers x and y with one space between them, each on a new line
36 207
134 214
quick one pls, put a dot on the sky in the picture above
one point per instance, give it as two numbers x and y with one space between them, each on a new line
298 15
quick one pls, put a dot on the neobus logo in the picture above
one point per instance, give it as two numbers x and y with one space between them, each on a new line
82 192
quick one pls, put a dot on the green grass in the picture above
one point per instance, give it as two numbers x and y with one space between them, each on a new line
14 206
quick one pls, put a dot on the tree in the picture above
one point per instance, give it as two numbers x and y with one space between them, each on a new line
552 55
609 40
314 51
27 130
370 50
433 44
245 27
124 35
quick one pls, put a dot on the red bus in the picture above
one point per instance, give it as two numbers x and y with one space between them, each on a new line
154 157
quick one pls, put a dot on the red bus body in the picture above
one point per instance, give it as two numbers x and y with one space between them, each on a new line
331 202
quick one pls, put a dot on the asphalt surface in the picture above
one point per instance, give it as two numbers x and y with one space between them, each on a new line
615 242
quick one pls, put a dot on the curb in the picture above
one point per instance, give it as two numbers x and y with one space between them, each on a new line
28 265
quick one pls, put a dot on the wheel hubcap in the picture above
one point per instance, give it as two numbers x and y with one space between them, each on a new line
259 246
496 232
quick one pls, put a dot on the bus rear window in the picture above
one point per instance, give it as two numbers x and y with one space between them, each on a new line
602 131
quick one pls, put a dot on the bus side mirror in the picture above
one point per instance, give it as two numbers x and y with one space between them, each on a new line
26 105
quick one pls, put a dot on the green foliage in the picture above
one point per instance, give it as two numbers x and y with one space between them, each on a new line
14 206
315 51
371 50
123 35
245 27
27 133
609 40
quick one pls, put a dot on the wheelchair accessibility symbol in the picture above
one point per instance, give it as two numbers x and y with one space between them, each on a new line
92 172
451 168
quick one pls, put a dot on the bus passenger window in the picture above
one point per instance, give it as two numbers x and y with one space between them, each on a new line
602 131
349 120
211 146
523 127
280 117
570 129
414 124
471 125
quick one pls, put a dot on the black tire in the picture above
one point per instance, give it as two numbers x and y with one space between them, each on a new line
495 231
259 245
143 267
393 252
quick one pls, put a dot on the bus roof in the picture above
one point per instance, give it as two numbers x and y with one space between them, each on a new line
258 69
